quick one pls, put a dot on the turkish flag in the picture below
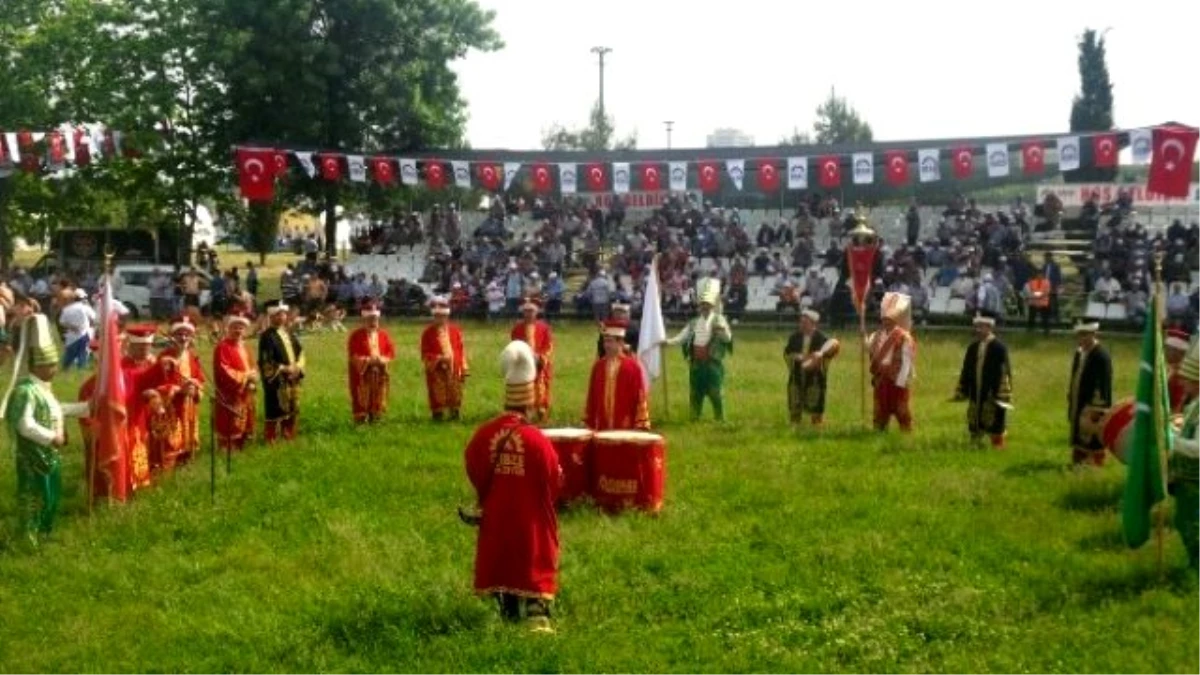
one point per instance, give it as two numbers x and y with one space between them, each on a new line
895 164
435 175
651 177
710 176
541 178
331 167
382 171
1171 165
831 171
1104 148
1033 158
29 161
279 161
768 175
489 176
594 174
83 149
55 149
964 164
256 173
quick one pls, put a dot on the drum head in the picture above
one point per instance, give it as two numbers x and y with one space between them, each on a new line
624 436
568 434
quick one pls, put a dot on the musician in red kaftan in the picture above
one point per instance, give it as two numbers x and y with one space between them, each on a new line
1175 346
537 335
617 398
171 390
893 353
370 354
137 364
445 362
515 472
236 381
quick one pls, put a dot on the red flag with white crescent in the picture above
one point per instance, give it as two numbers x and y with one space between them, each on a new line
651 177
1104 149
896 167
109 460
710 176
1033 158
1171 165
331 167
541 178
964 164
768 175
831 172
435 175
861 261
594 174
489 176
382 171
256 173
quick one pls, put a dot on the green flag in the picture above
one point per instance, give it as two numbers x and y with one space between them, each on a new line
1144 484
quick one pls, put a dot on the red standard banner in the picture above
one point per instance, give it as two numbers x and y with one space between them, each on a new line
861 261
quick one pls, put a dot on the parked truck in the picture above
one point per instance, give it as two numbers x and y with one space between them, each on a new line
80 251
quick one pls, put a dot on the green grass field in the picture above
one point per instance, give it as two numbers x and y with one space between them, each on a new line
777 550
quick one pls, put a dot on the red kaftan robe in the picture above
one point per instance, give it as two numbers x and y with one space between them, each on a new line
1177 390
617 397
539 337
444 379
172 416
893 366
235 386
369 380
137 420
516 482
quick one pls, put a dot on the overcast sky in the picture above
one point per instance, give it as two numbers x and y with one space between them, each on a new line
914 70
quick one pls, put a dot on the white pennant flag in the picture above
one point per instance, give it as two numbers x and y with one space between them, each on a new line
797 173
462 173
306 163
1068 153
358 168
14 149
568 178
408 171
653 331
997 160
510 172
97 141
68 139
929 164
1141 142
864 168
736 168
678 176
620 177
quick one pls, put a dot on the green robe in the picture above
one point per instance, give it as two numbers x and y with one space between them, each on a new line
1184 476
706 375
39 467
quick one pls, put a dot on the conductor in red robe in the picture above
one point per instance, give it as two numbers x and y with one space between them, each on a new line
617 397
537 335
236 380
515 472
370 354
171 391
445 362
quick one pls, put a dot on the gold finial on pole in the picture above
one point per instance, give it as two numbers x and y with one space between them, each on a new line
109 253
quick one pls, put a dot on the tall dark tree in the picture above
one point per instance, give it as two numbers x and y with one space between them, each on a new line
344 75
1092 108
838 122
598 135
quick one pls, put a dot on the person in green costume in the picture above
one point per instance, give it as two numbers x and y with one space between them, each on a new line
34 418
706 339
1184 463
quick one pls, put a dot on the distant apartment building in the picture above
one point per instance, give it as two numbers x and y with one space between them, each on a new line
730 138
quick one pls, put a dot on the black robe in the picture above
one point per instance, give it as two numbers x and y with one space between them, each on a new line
985 383
281 395
1089 395
806 388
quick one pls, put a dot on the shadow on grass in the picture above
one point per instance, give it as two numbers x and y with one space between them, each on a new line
1025 469
1092 497
382 622
1177 579
1105 540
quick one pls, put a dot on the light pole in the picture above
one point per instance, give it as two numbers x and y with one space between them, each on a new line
601 51
669 124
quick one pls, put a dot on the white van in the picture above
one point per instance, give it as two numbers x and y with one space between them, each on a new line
132 286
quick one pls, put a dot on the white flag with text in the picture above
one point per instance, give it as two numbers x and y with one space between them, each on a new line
997 160
864 168
358 168
620 177
567 178
1142 144
736 168
408 172
929 164
510 172
1068 153
678 176
797 173
462 173
652 330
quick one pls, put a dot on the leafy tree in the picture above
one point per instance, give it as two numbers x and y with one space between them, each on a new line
597 136
838 122
1092 108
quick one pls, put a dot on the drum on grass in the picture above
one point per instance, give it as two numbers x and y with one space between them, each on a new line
574 449
1116 429
627 470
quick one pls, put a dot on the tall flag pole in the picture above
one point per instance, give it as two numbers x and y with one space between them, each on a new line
1145 481
860 262
110 445
651 333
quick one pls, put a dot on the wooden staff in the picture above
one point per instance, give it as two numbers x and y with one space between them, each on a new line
862 341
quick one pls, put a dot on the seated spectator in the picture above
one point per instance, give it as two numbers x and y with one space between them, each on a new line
762 263
1107 288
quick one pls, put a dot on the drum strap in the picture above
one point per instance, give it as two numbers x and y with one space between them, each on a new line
500 448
